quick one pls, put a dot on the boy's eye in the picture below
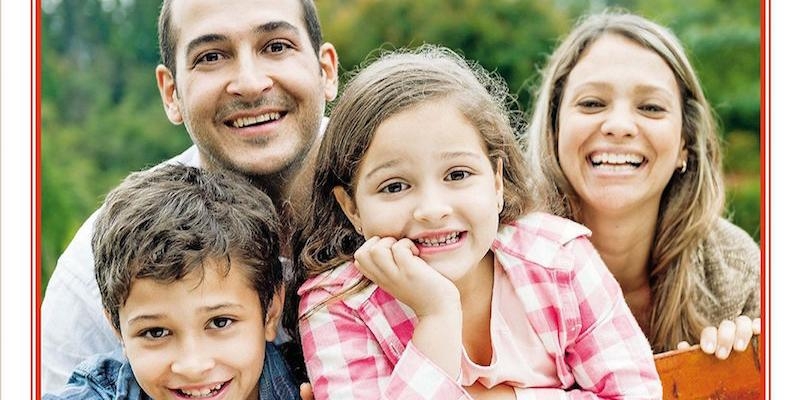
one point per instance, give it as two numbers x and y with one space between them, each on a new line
394 187
590 104
457 175
220 322
155 333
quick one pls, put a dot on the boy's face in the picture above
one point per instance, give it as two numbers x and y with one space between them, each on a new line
200 337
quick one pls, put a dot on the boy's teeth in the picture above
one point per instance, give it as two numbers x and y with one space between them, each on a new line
439 241
201 393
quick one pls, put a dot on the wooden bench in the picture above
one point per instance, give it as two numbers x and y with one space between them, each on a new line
692 374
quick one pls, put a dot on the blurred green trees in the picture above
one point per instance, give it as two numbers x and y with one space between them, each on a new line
102 115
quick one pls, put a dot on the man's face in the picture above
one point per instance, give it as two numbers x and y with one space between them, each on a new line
248 85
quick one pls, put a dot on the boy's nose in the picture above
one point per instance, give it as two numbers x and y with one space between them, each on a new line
193 363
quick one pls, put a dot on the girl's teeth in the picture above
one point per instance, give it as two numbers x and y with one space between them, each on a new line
439 241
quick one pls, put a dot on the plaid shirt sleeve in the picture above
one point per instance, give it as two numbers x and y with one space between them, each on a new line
609 356
345 360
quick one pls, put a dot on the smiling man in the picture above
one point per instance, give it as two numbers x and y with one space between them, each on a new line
249 80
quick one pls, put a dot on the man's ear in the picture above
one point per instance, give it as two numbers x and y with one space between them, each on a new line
329 63
273 317
348 206
169 94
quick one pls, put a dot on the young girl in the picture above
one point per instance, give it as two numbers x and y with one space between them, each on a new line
429 276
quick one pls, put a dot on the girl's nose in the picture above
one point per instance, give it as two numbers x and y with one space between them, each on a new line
432 205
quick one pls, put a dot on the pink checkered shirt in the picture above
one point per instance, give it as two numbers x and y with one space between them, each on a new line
360 347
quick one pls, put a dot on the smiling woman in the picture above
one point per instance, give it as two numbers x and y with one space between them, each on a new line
623 141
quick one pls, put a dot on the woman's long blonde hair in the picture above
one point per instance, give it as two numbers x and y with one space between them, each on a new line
691 202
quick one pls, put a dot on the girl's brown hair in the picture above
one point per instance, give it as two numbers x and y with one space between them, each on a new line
395 82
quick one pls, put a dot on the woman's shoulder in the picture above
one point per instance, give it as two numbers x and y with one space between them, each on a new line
728 273
729 249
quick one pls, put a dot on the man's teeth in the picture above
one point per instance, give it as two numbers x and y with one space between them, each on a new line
199 394
246 121
614 159
439 241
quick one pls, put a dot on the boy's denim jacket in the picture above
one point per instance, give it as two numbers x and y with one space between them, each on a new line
105 377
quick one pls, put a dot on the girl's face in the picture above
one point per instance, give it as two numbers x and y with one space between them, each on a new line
619 139
426 176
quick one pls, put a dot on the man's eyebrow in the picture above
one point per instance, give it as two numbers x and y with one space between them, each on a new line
268 27
273 26
201 40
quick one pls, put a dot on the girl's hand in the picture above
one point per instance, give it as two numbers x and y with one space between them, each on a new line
729 335
394 266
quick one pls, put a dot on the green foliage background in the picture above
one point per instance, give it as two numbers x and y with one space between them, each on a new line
102 116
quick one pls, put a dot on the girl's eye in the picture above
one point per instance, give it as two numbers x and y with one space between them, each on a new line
457 175
394 187
155 333
652 108
220 322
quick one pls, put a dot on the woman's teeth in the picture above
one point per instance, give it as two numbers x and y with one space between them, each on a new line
616 161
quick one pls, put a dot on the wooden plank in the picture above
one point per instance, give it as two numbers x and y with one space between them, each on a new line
692 374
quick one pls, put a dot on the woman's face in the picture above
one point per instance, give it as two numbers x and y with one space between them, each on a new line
619 137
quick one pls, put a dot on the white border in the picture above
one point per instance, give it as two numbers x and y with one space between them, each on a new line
784 266
16 233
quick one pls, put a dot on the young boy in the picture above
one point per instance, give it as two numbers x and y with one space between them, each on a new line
187 265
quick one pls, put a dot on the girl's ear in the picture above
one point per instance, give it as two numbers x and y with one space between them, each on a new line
273 317
498 184
348 206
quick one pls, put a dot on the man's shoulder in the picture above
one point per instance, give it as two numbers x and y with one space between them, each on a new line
189 157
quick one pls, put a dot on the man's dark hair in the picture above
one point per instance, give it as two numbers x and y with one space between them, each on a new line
165 223
167 38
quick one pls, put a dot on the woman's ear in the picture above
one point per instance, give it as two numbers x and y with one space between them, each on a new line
498 184
348 206
273 317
